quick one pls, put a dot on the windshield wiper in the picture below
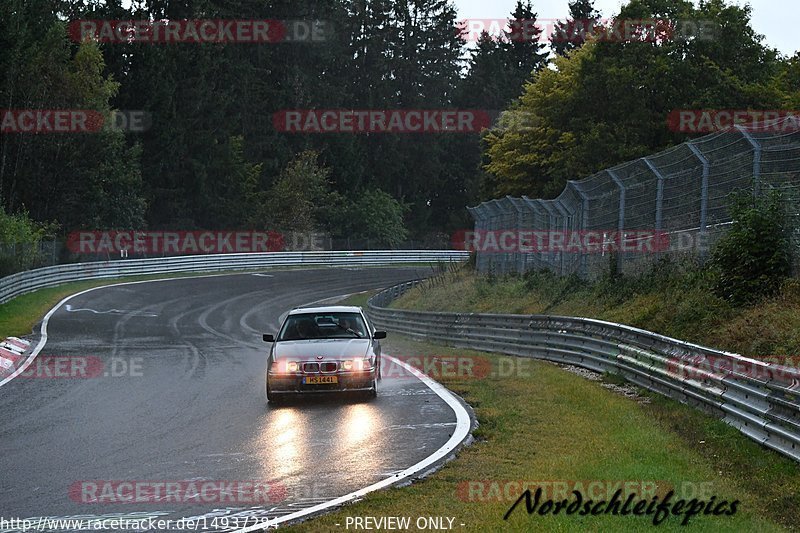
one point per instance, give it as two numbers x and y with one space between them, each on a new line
357 334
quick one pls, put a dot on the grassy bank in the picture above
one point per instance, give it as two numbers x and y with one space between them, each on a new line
544 424
670 300
18 316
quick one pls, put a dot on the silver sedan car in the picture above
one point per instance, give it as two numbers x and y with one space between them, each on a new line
324 349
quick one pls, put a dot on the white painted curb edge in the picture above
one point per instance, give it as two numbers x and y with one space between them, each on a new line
463 425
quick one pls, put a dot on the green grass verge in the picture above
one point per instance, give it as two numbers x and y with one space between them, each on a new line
360 299
671 299
20 315
545 424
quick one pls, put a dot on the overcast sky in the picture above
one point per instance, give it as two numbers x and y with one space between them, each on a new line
774 19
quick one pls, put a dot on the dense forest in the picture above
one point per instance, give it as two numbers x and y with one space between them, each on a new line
212 157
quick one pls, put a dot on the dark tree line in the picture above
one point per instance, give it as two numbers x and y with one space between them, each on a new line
212 157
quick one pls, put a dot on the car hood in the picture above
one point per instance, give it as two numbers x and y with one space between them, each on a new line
309 350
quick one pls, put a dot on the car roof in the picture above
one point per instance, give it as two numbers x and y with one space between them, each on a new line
326 309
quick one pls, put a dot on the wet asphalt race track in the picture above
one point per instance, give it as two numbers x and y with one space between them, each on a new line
178 395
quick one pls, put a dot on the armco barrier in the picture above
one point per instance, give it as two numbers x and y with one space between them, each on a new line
24 282
761 399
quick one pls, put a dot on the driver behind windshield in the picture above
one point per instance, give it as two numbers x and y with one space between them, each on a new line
353 326
305 328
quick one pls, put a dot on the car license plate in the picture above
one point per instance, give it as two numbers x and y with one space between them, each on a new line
320 380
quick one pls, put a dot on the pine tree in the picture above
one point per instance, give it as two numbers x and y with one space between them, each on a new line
571 33
487 83
525 51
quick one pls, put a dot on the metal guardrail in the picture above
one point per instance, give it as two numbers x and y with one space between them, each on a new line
760 399
31 280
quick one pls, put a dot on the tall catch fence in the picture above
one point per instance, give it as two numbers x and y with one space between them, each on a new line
673 203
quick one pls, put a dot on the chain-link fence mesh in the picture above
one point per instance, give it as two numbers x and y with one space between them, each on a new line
18 256
674 202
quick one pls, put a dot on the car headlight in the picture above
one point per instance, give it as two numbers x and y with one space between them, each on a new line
357 365
285 367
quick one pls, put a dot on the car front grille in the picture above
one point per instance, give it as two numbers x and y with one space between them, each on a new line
325 367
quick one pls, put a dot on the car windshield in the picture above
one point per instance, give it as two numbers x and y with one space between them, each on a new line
304 326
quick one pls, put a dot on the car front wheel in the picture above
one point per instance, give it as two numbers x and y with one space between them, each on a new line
373 391
271 396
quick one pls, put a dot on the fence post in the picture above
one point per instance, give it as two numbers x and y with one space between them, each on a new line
480 227
492 225
659 192
550 260
565 215
532 205
703 193
522 259
483 259
510 223
584 221
504 258
474 213
756 158
621 220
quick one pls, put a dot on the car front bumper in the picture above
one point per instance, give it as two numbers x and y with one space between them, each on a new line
346 381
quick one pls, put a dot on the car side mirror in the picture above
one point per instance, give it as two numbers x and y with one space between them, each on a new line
268 337
379 335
